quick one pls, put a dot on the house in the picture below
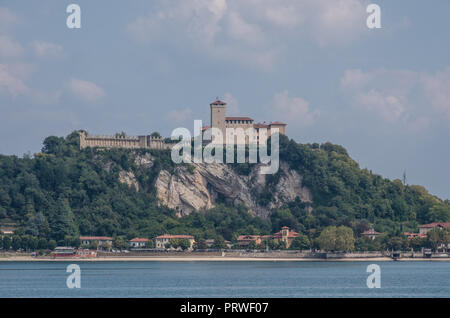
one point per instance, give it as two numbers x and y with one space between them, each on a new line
245 240
425 228
371 234
410 235
101 241
67 251
285 235
139 242
7 232
162 240
63 251
210 243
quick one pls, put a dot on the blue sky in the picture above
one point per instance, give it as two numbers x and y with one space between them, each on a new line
144 66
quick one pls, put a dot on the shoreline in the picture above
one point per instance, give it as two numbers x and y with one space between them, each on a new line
213 259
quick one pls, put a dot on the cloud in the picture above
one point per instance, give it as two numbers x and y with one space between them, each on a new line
437 88
47 49
11 83
399 95
389 107
9 47
254 33
7 19
86 91
292 110
232 104
179 116
338 21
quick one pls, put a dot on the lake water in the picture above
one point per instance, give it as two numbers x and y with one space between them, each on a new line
225 279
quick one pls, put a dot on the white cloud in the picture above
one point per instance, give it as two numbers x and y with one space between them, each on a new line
47 49
240 30
338 21
254 33
86 91
437 88
11 83
7 19
390 107
9 47
355 79
179 116
232 104
399 95
292 110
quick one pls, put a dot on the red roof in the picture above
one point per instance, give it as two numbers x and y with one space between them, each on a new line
370 232
248 237
434 224
218 102
278 123
238 118
292 234
413 235
170 236
260 125
95 238
138 239
205 128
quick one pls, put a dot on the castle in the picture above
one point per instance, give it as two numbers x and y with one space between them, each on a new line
220 121
154 141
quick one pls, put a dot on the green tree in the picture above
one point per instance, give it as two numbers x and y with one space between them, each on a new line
53 145
51 244
301 242
184 244
6 242
64 224
440 213
336 239
201 244
252 245
345 240
42 243
436 237
396 243
219 243
327 239
16 242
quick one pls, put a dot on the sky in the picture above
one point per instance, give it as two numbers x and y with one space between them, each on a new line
142 66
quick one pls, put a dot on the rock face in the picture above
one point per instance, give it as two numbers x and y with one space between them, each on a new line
187 190
128 178
201 186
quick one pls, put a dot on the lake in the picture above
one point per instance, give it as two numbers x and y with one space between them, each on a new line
225 279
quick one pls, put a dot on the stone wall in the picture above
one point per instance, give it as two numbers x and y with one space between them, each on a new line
140 142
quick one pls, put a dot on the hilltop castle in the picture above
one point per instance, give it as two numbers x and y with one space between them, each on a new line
154 141
220 121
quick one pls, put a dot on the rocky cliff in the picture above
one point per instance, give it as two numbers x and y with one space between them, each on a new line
199 188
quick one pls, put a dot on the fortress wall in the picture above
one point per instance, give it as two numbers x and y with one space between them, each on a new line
111 142
140 142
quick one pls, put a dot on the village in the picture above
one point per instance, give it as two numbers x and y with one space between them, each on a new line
285 243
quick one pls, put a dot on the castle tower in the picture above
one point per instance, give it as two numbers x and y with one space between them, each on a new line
218 109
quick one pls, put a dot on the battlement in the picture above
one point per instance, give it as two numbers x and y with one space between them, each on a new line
121 141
